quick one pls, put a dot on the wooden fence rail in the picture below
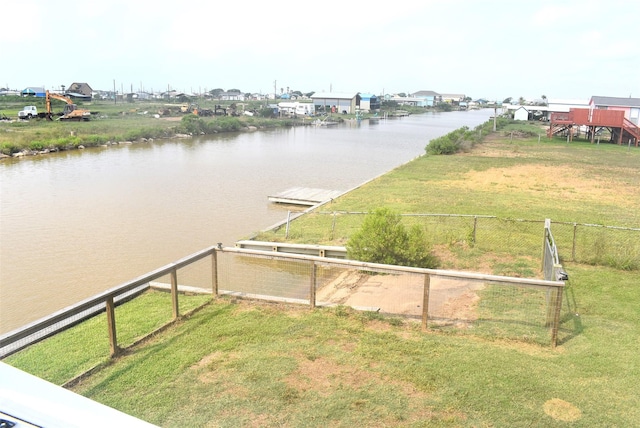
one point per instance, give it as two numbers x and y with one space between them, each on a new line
18 339
106 301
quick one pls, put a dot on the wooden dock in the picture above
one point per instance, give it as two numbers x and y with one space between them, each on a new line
304 196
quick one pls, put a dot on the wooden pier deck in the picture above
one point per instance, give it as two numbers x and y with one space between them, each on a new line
304 196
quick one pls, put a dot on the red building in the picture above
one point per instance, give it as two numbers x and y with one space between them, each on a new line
620 116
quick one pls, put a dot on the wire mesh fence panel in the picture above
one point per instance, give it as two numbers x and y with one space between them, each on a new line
516 237
584 243
264 276
385 291
443 229
615 247
499 310
343 225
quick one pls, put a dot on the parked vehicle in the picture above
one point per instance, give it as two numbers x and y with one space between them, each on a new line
28 112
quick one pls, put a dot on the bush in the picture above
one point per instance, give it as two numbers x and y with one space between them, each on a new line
266 112
228 124
9 148
452 142
441 106
192 124
463 139
382 238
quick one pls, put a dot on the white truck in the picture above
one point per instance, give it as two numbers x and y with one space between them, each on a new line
28 112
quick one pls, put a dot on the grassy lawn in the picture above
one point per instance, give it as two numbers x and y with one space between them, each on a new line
239 363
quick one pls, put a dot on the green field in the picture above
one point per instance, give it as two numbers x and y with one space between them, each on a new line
239 363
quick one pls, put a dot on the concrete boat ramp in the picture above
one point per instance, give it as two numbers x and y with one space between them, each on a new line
304 196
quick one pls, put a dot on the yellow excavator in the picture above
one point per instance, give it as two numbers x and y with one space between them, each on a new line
70 112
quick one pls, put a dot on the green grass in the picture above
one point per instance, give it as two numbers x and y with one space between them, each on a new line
87 345
236 364
250 364
572 183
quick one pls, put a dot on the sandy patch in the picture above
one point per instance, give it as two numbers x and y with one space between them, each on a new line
566 182
561 410
449 299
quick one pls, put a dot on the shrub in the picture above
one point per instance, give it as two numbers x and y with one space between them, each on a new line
191 124
9 148
227 124
94 139
451 143
36 145
382 238
266 112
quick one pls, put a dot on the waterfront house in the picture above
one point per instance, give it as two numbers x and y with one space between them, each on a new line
334 102
630 106
368 102
454 99
426 98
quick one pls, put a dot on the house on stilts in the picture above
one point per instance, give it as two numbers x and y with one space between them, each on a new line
619 116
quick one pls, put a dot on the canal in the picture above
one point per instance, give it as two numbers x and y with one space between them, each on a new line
73 224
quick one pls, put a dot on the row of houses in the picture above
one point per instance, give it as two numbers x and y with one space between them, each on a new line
428 99
342 102
630 107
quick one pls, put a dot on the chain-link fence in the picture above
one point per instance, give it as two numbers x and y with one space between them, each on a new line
487 305
496 306
617 247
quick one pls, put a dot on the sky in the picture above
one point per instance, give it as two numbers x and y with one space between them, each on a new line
492 49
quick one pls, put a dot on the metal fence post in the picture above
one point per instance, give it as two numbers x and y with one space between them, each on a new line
425 301
286 233
312 285
475 228
575 236
545 238
556 317
174 293
111 325
333 226
214 273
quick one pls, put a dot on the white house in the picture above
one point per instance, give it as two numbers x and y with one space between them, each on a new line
453 98
424 98
232 96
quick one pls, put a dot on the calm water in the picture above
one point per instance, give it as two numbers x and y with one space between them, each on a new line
76 223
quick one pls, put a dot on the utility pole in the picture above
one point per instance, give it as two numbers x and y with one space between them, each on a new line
275 85
115 96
